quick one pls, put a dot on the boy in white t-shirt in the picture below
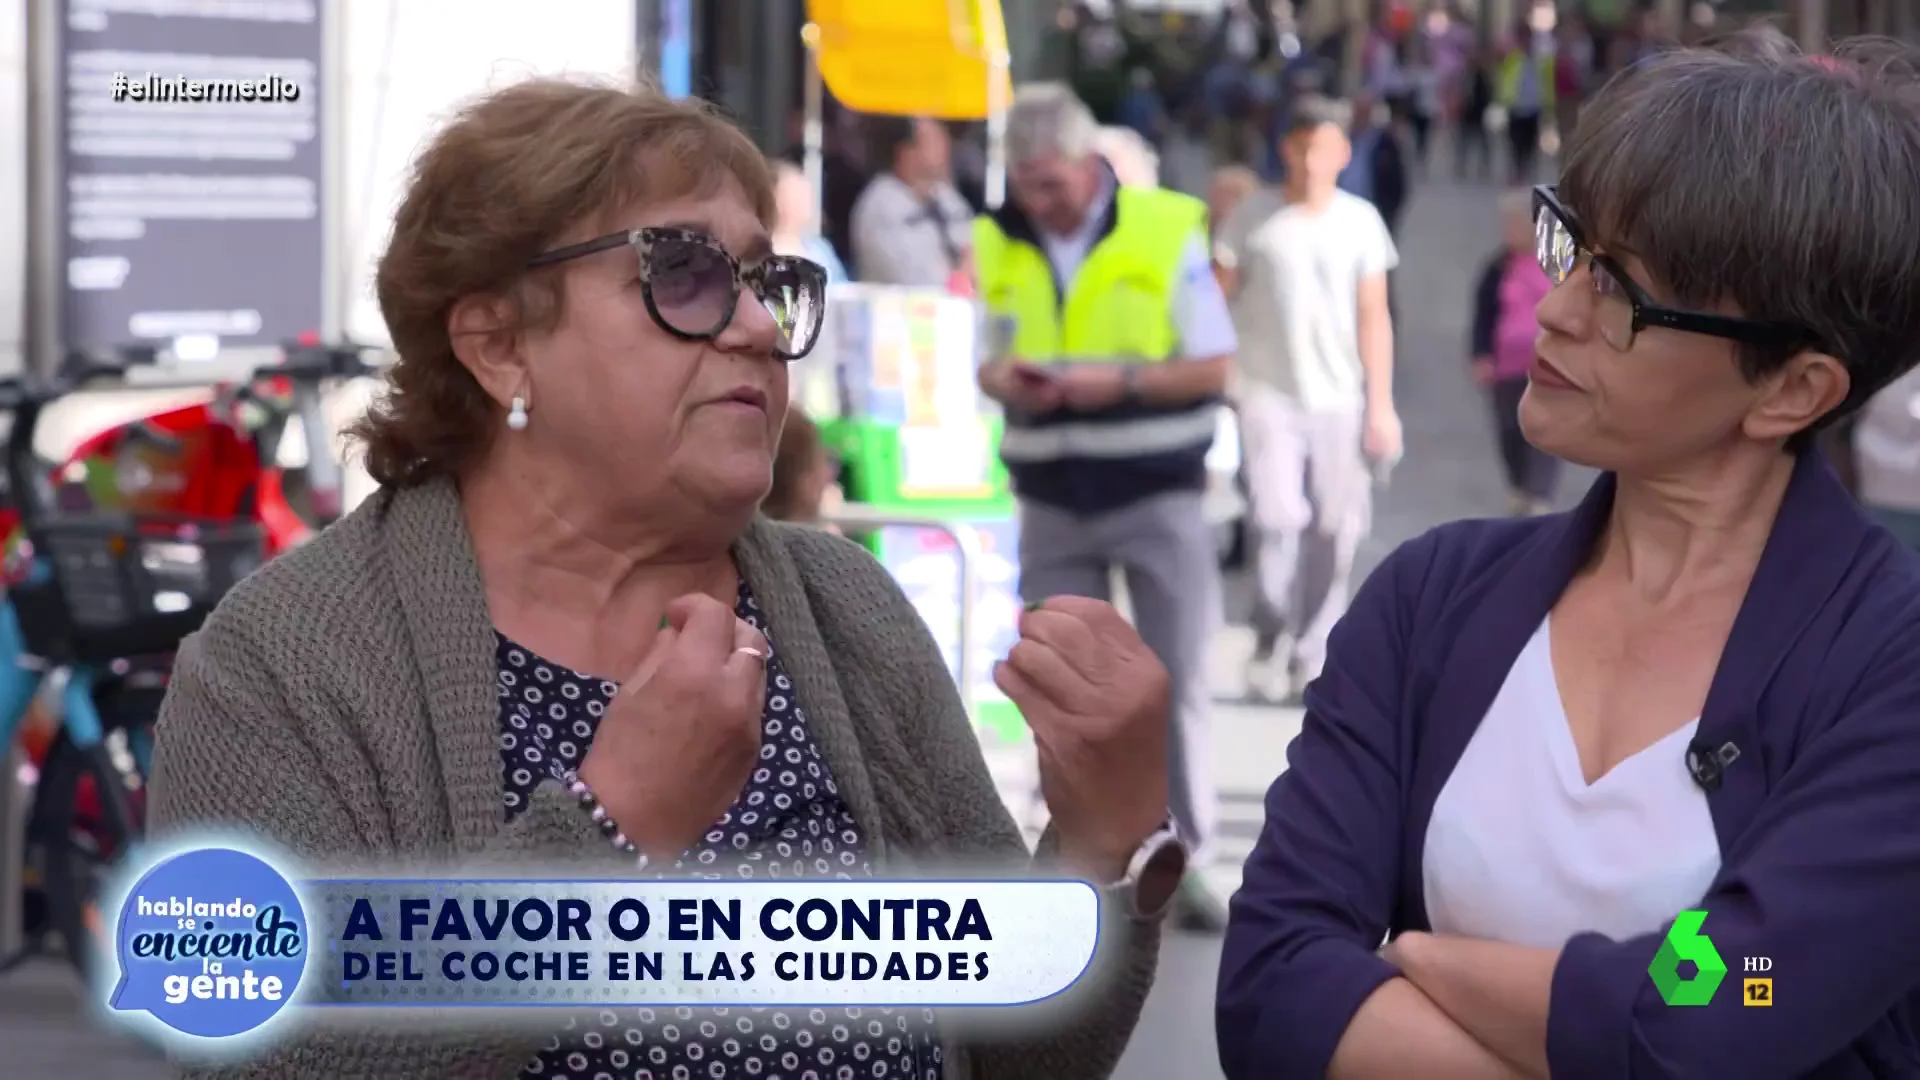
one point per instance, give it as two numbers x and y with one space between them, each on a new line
1306 268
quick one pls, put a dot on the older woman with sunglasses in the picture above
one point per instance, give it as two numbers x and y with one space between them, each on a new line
559 636
1600 780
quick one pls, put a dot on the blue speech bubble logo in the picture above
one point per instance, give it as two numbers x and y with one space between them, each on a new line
211 943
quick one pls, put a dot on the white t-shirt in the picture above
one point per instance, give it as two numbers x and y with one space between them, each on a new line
1297 311
1522 849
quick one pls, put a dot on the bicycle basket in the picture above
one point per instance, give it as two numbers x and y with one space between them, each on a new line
106 587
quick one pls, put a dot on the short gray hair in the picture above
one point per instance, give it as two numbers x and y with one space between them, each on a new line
1049 120
1785 184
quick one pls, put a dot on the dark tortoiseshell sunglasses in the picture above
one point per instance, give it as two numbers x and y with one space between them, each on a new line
692 284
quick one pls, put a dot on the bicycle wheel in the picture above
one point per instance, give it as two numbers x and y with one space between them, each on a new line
87 816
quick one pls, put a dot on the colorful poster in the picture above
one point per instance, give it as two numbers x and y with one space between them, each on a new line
887 340
905 356
921 374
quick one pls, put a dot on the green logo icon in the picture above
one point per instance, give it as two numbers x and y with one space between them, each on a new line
1686 942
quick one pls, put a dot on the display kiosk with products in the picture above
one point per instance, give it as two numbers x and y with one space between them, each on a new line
891 385
891 382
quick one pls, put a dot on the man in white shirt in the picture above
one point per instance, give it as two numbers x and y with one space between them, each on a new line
1306 266
910 225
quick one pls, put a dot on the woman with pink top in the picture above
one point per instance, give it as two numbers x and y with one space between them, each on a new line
1503 332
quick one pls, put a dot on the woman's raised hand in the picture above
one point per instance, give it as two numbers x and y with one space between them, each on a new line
681 739
1098 702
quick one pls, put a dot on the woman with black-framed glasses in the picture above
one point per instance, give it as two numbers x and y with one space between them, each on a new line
1602 779
562 638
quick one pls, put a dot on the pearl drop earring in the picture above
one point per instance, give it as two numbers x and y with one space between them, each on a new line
517 413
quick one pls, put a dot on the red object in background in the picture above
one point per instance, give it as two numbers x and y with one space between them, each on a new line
212 473
209 475
1834 64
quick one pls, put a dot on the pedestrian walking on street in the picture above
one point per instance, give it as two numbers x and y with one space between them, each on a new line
1573 73
1450 41
1473 143
1112 382
1525 91
1424 106
1561 764
1504 329
1314 389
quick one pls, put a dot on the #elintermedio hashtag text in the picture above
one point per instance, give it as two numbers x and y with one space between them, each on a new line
151 88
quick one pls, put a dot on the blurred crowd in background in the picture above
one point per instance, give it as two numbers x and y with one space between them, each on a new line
1194 102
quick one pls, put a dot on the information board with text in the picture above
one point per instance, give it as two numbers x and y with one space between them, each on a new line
191 167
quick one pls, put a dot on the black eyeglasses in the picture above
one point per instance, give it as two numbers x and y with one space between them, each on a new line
1622 308
692 285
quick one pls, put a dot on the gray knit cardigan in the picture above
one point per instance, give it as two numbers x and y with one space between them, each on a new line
340 703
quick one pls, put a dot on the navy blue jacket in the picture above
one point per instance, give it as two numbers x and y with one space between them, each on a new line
1818 817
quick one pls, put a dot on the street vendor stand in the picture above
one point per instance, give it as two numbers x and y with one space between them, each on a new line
891 385
891 382
946 60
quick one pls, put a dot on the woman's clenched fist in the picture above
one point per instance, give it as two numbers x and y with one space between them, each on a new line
1097 700
680 740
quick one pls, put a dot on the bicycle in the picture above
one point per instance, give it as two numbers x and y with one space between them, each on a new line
222 457
222 512
96 591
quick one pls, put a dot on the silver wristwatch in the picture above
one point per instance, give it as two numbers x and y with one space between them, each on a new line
1153 876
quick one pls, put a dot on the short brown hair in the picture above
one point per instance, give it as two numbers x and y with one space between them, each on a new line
514 174
1788 185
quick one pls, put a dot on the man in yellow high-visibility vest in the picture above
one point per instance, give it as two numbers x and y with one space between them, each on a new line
1114 344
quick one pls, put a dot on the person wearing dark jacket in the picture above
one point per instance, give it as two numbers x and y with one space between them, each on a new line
1473 145
1378 170
1577 769
1510 287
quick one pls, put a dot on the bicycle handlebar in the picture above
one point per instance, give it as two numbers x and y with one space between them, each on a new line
306 364
26 396
316 362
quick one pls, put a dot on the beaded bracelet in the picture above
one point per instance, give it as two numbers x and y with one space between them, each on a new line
608 827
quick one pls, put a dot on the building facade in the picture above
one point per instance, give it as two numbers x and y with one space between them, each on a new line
744 55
